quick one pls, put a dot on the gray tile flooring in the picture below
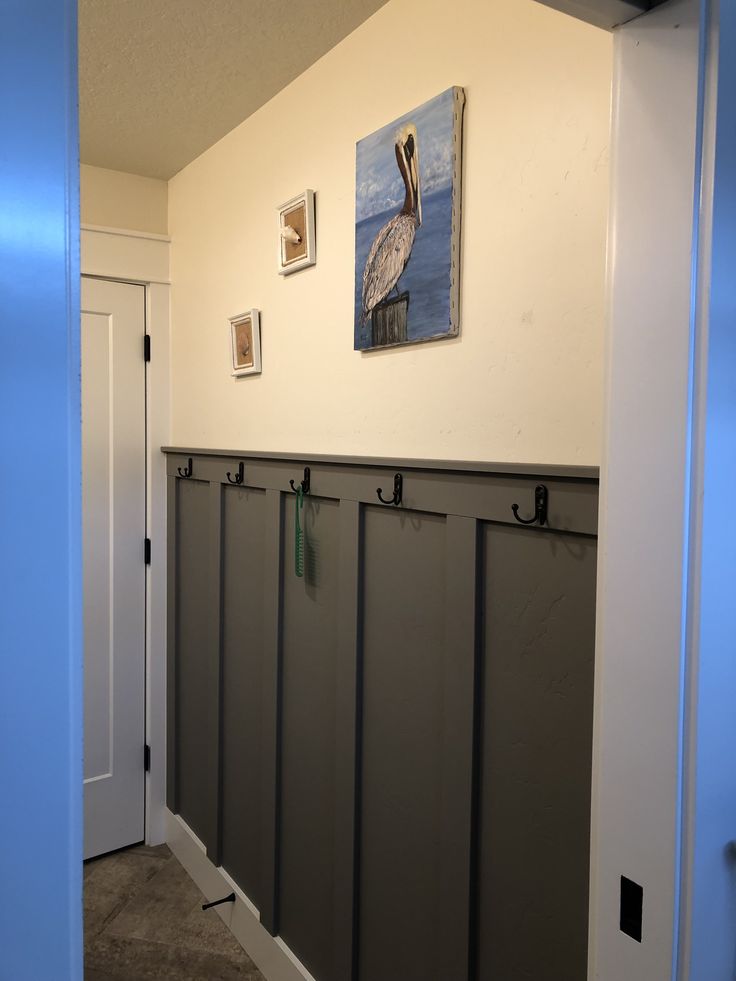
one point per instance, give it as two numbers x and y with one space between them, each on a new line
143 921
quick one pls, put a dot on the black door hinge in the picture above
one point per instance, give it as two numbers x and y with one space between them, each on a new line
147 551
147 758
146 347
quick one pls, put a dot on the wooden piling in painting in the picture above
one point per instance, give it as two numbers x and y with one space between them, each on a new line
389 321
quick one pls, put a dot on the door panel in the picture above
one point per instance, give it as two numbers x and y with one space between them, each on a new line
113 529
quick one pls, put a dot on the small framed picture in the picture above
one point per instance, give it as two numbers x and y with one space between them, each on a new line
245 340
296 234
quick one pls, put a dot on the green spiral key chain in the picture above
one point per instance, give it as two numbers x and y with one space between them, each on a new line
299 534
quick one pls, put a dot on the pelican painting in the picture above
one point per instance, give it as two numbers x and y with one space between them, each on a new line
407 226
391 249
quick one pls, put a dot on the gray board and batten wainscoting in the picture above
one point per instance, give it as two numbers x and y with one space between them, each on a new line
391 756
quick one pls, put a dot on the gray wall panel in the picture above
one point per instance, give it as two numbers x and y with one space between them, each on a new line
271 709
539 593
455 766
242 626
308 685
194 663
573 503
392 755
403 736
349 638
172 592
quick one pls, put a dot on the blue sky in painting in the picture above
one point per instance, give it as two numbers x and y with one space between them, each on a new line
378 185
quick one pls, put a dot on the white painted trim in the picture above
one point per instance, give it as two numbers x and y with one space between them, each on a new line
644 540
303 972
272 956
236 888
141 258
135 257
159 387
125 232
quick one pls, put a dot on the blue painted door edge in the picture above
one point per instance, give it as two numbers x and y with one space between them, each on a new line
40 495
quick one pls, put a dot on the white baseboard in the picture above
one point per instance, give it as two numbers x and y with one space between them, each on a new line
271 955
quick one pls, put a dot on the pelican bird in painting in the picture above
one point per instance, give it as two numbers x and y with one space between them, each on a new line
391 248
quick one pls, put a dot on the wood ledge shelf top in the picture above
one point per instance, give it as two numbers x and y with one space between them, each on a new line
397 463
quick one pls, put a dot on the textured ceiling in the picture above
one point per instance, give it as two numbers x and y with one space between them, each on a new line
160 81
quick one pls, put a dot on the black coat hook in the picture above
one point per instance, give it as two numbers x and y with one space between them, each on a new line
187 471
238 478
219 902
305 483
398 491
540 508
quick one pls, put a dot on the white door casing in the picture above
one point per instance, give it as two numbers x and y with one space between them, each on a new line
143 258
646 493
114 527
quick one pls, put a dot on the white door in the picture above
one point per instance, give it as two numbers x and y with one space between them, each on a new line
113 528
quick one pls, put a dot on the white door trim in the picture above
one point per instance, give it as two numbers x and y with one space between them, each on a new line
645 533
124 232
119 254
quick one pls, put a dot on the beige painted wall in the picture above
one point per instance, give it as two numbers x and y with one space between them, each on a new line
523 381
117 200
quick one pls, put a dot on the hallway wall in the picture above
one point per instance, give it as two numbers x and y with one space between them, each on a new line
523 380
113 199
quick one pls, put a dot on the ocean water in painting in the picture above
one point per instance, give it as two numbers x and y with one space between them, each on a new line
380 195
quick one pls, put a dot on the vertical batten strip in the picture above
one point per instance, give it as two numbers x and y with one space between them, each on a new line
172 757
214 675
460 666
346 740
271 733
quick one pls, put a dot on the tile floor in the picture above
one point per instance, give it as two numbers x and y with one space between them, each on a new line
143 921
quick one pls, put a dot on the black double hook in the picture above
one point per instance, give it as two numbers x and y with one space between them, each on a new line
186 473
540 508
239 476
305 484
398 491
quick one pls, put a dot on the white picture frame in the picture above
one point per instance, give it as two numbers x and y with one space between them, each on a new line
245 343
296 216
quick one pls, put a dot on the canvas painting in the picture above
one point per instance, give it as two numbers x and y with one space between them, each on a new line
407 227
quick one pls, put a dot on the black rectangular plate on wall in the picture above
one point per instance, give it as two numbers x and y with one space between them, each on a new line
632 907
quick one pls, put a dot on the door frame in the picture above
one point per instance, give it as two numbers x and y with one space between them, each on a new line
142 258
664 793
